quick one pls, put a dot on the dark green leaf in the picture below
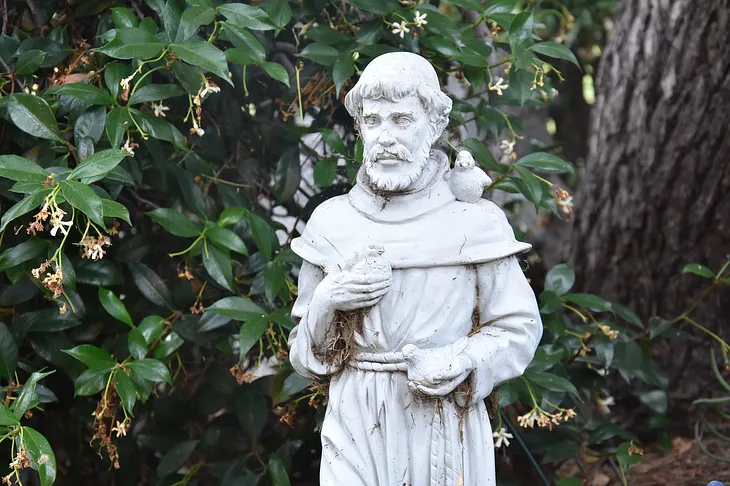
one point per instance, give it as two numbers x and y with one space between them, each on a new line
218 266
277 471
150 285
658 326
545 162
89 127
263 236
84 199
378 7
155 92
589 301
33 115
114 306
84 92
126 390
113 209
159 128
250 333
247 42
192 19
29 62
151 328
98 164
132 43
470 4
137 344
17 255
150 369
90 382
560 279
28 397
627 315
333 139
344 68
238 308
231 216
7 417
99 273
8 353
531 187
246 16
293 384
123 17
279 12
698 269
551 382
276 71
288 175
251 411
227 239
325 172
326 35
117 123
113 75
167 346
94 358
203 54
320 53
175 222
41 455
24 206
553 49
175 458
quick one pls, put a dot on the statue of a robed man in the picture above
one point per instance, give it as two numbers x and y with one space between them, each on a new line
411 297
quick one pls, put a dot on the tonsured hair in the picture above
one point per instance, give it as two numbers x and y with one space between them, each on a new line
434 101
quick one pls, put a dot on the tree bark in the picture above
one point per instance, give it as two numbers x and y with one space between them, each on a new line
656 190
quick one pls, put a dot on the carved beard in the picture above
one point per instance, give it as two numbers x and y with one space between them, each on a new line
400 177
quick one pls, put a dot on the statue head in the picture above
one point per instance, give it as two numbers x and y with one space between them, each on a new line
401 112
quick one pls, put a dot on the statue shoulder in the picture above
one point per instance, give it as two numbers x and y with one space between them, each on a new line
481 214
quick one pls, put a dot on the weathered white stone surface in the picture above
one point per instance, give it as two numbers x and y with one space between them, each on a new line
411 298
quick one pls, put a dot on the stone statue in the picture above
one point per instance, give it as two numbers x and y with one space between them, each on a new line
411 298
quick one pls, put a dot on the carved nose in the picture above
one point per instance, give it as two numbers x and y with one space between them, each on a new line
385 139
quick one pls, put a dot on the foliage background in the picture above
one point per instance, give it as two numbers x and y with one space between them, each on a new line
198 137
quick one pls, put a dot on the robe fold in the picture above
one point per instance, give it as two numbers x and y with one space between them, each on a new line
448 258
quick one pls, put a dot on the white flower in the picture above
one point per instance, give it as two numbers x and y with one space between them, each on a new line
124 83
58 223
499 86
566 206
128 147
200 132
355 56
507 147
400 28
528 420
501 437
604 403
420 19
160 109
209 87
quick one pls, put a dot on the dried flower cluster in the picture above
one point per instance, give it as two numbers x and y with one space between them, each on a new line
544 419
93 248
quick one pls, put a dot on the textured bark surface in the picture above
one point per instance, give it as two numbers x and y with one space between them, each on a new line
656 191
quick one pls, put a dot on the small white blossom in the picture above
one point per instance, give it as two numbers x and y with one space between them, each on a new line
34 87
420 19
501 437
507 147
127 147
400 29
355 56
209 87
565 206
124 83
604 404
499 86
58 223
529 419
160 109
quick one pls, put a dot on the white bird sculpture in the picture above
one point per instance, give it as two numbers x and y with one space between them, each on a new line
467 181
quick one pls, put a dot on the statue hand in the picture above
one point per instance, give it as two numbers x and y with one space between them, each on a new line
436 372
361 283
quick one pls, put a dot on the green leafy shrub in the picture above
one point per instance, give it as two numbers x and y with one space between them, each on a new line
158 162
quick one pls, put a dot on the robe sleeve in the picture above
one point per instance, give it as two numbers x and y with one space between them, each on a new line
511 326
312 321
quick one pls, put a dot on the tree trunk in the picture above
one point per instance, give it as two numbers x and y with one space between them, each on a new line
656 190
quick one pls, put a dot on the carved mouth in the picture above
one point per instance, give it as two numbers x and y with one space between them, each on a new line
390 161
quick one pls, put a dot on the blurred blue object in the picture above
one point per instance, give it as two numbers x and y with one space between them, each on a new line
715 483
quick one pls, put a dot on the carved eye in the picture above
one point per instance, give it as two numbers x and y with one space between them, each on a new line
402 121
370 121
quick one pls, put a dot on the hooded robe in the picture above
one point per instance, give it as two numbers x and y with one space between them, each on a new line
451 261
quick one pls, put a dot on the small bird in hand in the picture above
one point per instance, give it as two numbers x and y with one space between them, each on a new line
467 181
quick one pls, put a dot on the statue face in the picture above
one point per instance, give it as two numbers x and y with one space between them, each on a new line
396 139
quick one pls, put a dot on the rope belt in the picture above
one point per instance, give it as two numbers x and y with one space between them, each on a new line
443 464
379 362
